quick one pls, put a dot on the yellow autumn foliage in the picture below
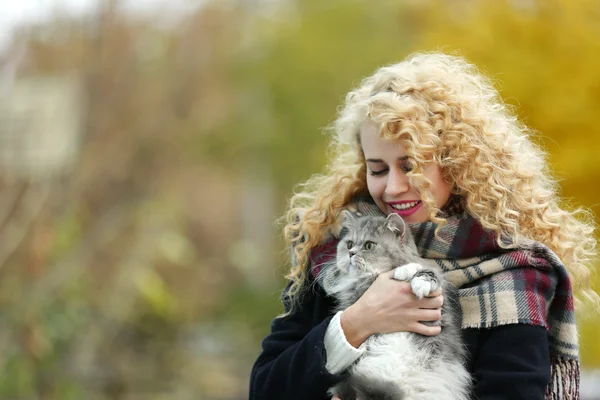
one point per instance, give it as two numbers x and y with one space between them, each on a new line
544 56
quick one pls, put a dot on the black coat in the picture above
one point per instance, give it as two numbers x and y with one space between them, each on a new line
507 362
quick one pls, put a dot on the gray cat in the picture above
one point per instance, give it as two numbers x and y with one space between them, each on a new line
402 365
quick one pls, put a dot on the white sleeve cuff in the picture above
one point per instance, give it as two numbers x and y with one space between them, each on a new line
340 353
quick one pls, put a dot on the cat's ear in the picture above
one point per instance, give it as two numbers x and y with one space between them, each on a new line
349 218
345 220
396 224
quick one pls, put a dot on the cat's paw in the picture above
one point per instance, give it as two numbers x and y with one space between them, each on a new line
406 272
420 287
424 283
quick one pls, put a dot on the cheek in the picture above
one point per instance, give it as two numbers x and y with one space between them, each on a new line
341 265
343 253
439 188
441 192
376 187
373 262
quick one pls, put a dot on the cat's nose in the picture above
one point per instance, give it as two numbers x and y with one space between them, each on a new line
352 253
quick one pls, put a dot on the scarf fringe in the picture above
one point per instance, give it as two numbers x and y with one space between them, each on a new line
564 379
494 324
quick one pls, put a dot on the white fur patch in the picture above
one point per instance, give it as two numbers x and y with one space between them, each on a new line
406 272
397 359
421 287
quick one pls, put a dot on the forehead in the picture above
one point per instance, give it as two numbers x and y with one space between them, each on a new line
376 147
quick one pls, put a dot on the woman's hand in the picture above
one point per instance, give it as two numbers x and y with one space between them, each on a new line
389 306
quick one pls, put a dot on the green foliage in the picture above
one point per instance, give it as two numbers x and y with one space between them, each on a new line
40 361
254 309
69 231
306 64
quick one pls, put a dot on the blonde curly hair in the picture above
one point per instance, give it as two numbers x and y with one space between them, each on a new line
447 113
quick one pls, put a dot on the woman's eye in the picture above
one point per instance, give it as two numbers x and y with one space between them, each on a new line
407 166
370 245
380 172
349 245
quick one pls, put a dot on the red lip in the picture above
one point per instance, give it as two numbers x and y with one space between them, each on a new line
408 211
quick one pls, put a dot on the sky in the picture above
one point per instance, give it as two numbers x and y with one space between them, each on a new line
15 12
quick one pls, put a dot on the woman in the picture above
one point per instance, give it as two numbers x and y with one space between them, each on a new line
430 139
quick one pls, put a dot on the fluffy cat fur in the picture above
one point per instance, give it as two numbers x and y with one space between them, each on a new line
401 365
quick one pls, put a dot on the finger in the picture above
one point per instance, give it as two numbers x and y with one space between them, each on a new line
433 302
436 293
388 274
426 330
430 315
403 287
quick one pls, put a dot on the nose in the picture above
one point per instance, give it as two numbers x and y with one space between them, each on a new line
352 253
397 183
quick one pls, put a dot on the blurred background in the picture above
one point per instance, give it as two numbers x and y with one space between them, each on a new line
147 148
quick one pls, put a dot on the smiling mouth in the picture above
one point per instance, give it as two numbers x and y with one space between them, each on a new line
405 206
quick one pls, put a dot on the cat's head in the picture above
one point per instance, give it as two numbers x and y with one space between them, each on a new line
374 244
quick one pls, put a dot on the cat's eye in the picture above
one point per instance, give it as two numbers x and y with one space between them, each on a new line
370 245
349 244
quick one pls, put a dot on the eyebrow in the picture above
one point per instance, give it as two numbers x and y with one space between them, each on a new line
378 160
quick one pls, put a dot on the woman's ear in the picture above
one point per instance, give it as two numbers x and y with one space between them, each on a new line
396 224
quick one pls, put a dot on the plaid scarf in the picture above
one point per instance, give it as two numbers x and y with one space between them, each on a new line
498 286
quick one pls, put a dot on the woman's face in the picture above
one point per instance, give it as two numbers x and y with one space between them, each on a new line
387 182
